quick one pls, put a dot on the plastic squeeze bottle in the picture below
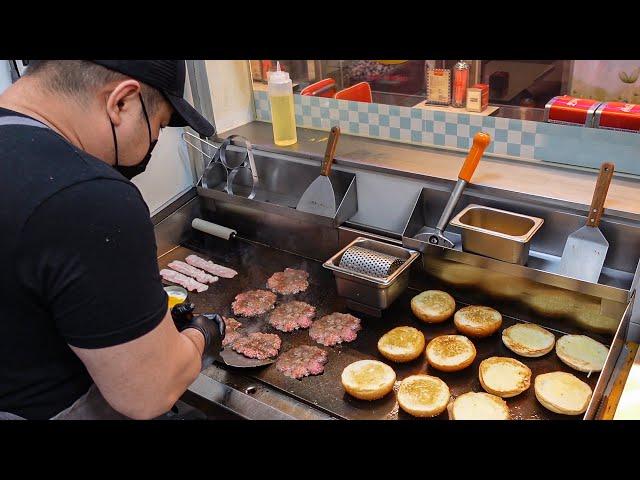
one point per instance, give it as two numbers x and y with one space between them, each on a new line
282 113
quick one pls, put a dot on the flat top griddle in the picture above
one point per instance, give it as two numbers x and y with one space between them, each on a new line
255 263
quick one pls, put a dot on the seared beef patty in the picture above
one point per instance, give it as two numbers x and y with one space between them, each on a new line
335 328
232 333
302 361
288 282
253 303
258 345
291 316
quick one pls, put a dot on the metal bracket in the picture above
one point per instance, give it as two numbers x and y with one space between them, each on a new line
635 312
201 94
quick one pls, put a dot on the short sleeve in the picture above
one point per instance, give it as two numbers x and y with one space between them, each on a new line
88 255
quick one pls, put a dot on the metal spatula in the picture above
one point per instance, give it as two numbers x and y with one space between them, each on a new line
319 197
235 359
586 248
183 313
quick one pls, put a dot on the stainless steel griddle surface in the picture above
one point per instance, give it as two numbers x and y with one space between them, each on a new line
255 263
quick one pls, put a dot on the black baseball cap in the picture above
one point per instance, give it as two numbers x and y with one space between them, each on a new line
168 77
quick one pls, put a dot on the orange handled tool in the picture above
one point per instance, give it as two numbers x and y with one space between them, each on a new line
436 237
481 141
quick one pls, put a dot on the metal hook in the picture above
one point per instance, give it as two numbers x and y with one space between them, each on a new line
198 138
203 141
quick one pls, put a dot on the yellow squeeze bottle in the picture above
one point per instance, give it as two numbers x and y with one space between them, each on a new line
283 116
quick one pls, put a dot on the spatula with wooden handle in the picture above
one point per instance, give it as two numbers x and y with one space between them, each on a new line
320 198
586 248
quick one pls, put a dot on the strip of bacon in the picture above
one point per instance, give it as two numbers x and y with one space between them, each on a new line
211 267
199 275
187 282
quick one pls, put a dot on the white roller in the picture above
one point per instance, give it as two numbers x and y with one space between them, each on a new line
213 229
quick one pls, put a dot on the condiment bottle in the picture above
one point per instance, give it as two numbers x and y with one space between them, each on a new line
460 84
283 120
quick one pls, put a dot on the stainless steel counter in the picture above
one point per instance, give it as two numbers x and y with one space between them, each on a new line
533 177
253 396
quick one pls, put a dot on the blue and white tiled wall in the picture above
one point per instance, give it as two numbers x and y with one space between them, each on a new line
510 137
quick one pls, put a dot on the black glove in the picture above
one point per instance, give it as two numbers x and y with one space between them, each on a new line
182 314
211 326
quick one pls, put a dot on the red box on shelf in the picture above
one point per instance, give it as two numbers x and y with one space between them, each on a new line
618 116
570 110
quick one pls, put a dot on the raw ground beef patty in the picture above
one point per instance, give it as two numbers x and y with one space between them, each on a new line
231 333
253 303
302 361
335 328
291 316
288 282
258 345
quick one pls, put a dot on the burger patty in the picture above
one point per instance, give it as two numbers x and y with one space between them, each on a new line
258 345
288 282
291 316
335 328
253 303
302 361
231 333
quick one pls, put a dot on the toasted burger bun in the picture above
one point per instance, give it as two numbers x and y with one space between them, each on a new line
450 353
505 286
423 395
581 353
562 392
528 339
477 321
503 376
459 274
368 379
551 302
478 406
402 344
433 306
591 319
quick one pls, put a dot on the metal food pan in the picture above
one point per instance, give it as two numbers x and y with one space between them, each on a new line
367 290
495 233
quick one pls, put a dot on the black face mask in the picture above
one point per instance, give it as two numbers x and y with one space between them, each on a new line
130 171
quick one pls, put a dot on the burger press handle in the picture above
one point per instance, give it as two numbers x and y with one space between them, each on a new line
480 142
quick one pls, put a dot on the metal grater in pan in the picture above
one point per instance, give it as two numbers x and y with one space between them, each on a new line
370 262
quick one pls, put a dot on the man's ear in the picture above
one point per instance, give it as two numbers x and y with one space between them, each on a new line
122 99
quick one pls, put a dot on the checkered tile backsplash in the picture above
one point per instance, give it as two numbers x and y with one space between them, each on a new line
510 137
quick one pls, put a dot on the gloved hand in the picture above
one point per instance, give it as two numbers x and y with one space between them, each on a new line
182 314
211 325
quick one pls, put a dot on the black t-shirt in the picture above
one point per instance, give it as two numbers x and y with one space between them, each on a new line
78 266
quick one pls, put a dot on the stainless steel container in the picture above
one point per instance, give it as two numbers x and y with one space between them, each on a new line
496 233
368 293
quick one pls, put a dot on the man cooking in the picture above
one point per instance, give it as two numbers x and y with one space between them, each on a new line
85 332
